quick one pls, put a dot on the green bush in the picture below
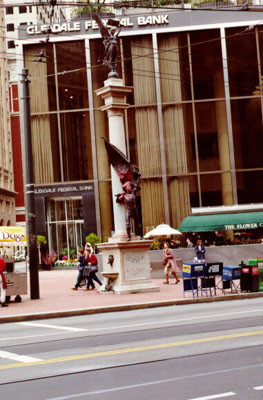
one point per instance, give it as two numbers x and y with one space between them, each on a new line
93 239
71 251
156 244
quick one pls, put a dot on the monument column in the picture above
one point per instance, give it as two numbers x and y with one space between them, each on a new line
114 94
126 264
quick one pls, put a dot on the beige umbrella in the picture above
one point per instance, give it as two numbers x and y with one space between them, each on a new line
162 230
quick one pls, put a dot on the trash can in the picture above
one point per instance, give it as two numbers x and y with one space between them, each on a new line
249 281
260 274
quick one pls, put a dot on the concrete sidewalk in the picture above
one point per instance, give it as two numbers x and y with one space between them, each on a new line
57 299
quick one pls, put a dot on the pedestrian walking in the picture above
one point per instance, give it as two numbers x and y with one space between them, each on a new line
169 264
3 285
92 269
82 264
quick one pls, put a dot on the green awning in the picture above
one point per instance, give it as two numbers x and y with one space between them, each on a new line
222 222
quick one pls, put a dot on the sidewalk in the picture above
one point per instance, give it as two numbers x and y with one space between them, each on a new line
58 300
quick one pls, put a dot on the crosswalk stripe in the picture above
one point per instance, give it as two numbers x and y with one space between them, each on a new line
17 357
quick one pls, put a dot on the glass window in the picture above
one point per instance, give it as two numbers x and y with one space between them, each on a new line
211 190
11 44
65 226
242 61
45 148
9 10
194 192
76 146
207 64
174 67
72 86
10 27
212 136
22 9
247 132
42 89
249 188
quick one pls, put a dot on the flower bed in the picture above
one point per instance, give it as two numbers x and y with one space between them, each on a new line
66 263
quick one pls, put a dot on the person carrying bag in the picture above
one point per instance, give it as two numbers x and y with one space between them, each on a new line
91 269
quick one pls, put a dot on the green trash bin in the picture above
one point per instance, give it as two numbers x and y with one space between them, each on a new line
260 273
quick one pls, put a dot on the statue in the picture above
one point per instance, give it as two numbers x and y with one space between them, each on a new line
129 177
110 41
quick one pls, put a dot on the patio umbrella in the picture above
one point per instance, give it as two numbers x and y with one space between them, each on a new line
162 230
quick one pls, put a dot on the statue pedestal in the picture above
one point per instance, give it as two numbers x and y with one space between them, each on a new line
130 271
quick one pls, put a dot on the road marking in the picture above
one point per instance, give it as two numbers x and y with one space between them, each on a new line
258 387
63 328
134 349
119 388
17 357
215 396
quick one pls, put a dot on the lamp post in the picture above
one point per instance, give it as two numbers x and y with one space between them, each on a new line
29 190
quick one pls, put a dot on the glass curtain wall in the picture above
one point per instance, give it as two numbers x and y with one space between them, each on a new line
194 122
245 56
59 112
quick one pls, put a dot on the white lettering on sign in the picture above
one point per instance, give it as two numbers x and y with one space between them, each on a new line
76 26
229 227
55 28
153 20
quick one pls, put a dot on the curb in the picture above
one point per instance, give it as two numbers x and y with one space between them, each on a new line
126 307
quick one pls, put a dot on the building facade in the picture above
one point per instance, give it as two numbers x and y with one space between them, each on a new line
193 128
7 193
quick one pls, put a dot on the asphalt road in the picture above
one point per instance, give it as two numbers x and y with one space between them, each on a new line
201 351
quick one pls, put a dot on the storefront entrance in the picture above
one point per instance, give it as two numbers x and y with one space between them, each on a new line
65 226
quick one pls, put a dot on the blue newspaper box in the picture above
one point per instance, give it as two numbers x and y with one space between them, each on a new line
231 272
193 269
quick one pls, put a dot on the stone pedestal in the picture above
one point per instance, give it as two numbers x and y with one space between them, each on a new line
130 271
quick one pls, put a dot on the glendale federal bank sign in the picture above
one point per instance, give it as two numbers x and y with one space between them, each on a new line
174 20
91 26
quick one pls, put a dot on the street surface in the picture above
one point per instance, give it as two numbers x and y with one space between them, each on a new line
192 352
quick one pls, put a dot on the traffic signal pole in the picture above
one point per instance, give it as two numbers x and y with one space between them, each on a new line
29 190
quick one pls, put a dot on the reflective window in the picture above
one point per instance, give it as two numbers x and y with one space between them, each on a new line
242 61
247 132
76 146
207 64
249 187
73 93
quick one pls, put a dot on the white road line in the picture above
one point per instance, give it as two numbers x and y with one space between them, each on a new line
119 388
144 323
109 328
17 357
63 328
215 396
258 387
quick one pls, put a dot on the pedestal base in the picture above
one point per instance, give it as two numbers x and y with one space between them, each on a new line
126 267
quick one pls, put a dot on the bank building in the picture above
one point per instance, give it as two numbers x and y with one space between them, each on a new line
193 127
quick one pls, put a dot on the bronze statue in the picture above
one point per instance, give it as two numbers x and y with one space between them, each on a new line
110 42
129 177
128 198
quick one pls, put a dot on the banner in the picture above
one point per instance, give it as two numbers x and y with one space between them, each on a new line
12 236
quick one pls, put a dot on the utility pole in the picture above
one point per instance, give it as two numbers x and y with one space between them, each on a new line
29 190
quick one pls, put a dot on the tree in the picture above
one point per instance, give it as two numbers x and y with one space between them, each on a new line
90 7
